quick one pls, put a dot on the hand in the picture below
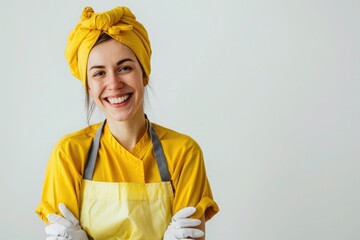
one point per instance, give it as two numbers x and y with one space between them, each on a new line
179 227
64 228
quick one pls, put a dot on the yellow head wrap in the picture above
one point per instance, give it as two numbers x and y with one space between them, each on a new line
120 23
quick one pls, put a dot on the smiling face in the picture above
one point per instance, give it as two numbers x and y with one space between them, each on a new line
115 81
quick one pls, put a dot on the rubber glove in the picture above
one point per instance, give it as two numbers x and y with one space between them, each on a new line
64 228
179 227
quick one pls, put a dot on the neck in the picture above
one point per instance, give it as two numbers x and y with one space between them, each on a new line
129 132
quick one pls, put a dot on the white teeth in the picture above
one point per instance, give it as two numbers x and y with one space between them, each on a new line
119 99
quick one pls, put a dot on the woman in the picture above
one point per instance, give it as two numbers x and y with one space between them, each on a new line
125 178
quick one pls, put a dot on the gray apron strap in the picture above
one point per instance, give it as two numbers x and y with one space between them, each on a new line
157 148
159 155
91 161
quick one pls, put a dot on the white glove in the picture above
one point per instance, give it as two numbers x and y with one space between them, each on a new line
64 228
179 227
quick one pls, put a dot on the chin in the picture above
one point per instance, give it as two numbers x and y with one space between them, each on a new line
125 114
121 117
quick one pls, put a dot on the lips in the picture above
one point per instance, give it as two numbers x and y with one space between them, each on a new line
118 100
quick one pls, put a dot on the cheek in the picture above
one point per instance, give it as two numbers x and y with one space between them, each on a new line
89 89
92 88
141 87
93 92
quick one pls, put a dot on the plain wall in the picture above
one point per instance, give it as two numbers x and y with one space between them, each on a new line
269 89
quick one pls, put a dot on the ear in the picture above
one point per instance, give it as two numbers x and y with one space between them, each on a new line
145 81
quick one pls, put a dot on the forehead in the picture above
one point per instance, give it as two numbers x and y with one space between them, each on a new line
109 52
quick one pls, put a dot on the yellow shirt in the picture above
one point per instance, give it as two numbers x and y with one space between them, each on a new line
66 165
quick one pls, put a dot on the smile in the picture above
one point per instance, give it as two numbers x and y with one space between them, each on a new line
117 100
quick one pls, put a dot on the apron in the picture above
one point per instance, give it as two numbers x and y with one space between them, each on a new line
121 210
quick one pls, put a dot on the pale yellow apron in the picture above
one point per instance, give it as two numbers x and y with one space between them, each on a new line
119 211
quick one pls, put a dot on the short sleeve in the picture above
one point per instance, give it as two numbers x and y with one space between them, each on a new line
61 185
191 185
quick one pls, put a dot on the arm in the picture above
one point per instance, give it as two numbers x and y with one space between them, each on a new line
191 185
188 175
61 184
202 227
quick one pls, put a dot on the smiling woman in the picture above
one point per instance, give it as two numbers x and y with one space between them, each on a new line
122 66
124 178
116 82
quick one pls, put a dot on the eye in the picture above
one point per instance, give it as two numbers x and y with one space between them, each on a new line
125 69
99 74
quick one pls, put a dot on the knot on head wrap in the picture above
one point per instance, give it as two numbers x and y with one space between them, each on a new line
121 24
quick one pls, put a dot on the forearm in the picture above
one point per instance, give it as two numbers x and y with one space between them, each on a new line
202 227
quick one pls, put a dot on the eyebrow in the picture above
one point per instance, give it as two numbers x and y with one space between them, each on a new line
117 64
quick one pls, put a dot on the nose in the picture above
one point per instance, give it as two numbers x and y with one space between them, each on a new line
114 82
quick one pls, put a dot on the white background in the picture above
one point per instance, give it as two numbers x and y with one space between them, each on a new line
269 89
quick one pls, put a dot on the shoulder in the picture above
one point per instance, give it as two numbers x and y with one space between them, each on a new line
183 155
166 134
176 142
69 153
78 140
